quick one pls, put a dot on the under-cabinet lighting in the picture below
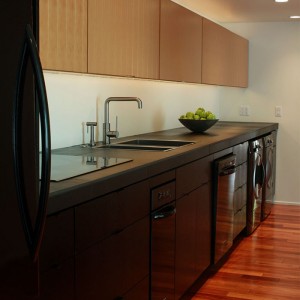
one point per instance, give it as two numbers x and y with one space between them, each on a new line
281 0
295 17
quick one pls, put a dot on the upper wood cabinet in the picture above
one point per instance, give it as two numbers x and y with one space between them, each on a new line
63 35
155 39
180 43
224 57
123 37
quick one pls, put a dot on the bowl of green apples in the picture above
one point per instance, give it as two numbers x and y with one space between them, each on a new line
198 121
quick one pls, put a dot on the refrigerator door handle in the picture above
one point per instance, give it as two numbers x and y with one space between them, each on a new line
33 235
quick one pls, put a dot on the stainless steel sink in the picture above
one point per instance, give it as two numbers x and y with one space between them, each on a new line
136 147
145 142
148 144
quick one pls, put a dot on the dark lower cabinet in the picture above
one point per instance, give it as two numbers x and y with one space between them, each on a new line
239 207
111 269
139 292
203 231
240 193
58 282
193 237
57 258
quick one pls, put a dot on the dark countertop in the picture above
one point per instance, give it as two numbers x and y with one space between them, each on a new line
145 164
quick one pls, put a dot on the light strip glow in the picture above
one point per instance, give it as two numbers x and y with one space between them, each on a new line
281 0
295 17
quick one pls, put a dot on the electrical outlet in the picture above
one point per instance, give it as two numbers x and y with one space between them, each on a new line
241 110
244 110
247 110
278 111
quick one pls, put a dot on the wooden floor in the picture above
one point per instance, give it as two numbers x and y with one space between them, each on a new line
265 265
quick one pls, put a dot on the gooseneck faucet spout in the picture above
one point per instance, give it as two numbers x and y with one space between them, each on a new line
107 133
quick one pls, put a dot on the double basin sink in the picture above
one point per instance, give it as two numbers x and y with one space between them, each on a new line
148 144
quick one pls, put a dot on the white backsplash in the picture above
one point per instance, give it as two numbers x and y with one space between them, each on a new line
78 98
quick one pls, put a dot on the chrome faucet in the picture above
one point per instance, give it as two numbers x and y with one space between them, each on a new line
92 125
107 133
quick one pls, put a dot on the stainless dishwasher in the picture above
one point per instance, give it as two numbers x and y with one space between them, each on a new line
223 213
162 263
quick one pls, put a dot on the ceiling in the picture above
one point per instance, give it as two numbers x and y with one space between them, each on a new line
244 10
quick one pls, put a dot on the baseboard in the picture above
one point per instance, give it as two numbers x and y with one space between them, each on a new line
287 203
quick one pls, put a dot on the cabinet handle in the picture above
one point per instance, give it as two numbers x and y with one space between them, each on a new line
228 171
33 233
165 212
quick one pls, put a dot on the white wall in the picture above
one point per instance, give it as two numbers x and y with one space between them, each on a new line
274 80
75 99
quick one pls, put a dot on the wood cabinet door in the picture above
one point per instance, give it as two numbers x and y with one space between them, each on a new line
63 35
224 56
191 176
107 215
57 258
185 273
140 291
109 269
123 37
180 43
193 237
239 208
203 228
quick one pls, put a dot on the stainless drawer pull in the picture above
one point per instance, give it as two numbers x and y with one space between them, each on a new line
164 212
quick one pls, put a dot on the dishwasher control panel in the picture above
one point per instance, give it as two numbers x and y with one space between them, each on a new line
162 195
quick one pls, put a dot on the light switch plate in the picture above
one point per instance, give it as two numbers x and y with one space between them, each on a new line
278 111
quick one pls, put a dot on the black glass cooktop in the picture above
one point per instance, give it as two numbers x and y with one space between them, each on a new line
67 166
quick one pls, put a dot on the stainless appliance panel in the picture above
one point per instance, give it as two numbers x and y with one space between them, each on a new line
163 252
162 265
18 255
269 161
225 172
256 177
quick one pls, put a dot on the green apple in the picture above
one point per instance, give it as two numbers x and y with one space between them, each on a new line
211 116
207 113
201 113
189 115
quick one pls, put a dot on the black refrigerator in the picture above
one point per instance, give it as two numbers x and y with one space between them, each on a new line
25 131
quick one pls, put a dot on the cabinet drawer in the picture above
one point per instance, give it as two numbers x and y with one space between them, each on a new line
239 222
193 175
115 265
139 292
57 257
107 215
58 241
58 282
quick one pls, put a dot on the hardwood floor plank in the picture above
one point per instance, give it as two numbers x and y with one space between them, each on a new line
265 265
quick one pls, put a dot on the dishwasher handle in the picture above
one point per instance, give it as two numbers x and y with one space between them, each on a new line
164 212
228 170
